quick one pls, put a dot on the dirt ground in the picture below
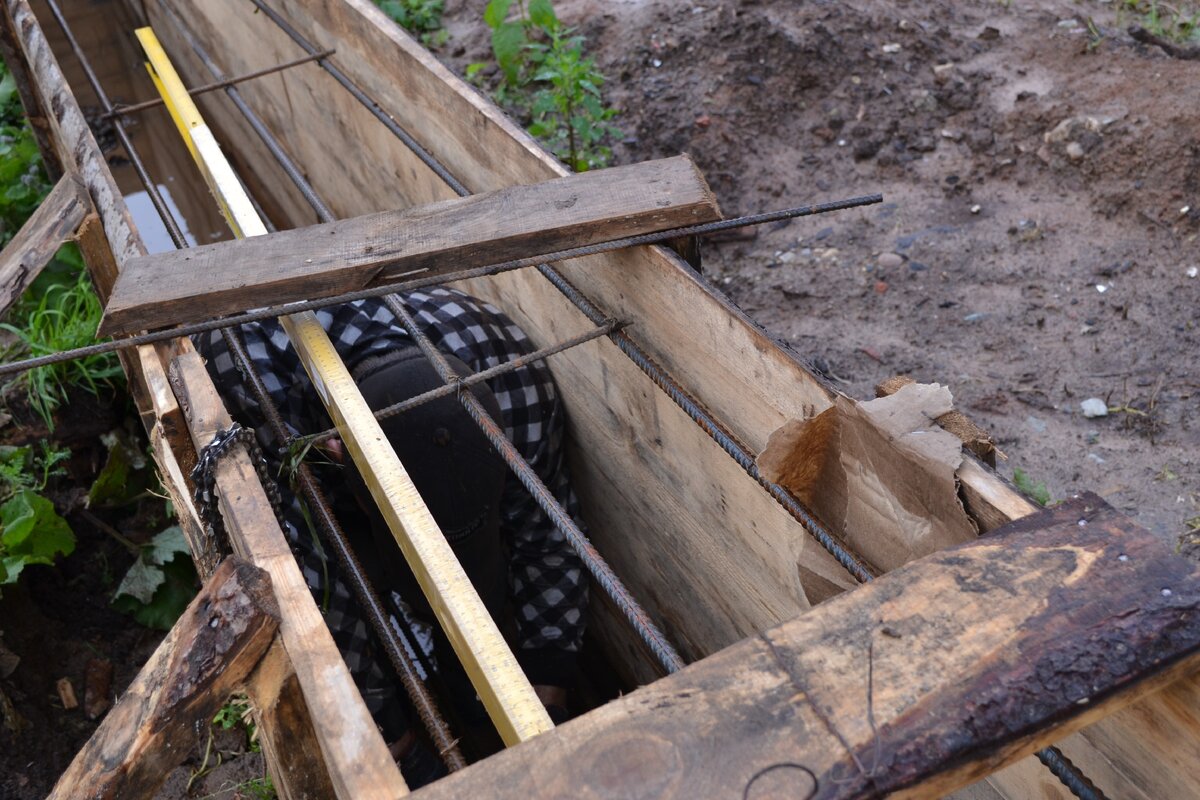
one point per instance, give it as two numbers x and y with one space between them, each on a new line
1042 205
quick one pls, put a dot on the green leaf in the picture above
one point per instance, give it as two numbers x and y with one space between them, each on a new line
496 12
167 544
110 485
170 595
33 531
1037 491
473 69
541 13
507 41
141 581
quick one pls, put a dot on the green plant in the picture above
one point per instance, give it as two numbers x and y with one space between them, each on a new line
161 581
23 468
1038 492
547 79
422 17
60 312
23 182
1177 23
31 532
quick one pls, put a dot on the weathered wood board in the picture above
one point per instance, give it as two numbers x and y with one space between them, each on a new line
211 649
910 687
201 283
27 253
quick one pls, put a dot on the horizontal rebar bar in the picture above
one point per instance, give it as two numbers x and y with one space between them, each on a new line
471 380
270 312
121 109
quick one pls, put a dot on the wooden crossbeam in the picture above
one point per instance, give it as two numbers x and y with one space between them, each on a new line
211 649
910 686
27 253
323 260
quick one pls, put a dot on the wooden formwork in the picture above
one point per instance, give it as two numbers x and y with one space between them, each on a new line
728 574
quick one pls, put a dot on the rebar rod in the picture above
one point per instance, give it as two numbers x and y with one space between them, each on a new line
367 101
164 211
726 440
122 109
413 283
1069 775
364 592
596 566
471 380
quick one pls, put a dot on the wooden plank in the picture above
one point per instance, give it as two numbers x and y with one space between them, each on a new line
27 253
321 260
861 697
711 343
209 651
358 759
295 762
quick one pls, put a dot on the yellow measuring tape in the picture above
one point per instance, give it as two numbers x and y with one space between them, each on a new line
502 686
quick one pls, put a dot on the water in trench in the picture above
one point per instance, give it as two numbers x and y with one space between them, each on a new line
105 31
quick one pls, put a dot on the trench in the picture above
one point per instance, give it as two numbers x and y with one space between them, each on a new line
104 30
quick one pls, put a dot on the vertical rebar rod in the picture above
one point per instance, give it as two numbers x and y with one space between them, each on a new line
164 211
368 599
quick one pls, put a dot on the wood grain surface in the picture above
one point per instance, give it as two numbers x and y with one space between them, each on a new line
911 686
200 283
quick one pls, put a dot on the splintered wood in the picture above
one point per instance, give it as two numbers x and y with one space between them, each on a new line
911 686
324 260
217 641
56 220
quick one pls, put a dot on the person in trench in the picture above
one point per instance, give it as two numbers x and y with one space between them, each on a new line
526 573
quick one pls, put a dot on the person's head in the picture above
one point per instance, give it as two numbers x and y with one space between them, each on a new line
453 466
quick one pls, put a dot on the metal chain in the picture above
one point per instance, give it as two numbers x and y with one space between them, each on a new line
204 476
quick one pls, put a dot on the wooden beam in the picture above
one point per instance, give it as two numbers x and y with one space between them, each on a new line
911 686
322 260
211 649
358 759
27 253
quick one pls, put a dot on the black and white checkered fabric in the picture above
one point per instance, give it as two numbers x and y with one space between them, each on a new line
548 589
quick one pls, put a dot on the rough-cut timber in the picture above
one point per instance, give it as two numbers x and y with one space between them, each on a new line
359 764
322 260
910 686
211 649
27 253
